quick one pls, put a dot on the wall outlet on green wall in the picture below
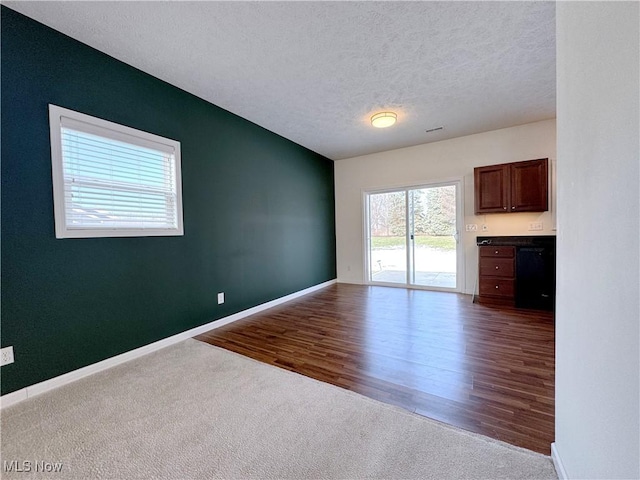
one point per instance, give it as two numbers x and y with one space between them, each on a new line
220 298
7 356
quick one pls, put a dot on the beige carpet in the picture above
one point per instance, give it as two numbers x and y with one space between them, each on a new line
196 411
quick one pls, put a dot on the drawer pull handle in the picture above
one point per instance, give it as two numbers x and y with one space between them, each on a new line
497 267
497 286
497 252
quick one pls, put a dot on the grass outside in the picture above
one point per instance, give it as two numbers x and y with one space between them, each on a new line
440 243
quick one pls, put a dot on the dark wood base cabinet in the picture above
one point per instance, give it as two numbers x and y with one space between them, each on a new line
497 275
517 271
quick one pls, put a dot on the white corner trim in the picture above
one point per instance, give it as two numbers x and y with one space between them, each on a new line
557 462
38 388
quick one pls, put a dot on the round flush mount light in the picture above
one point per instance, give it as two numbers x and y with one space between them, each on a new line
383 119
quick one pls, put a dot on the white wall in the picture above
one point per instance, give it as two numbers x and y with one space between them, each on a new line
597 316
433 162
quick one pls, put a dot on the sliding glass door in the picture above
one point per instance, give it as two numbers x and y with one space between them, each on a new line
388 244
412 236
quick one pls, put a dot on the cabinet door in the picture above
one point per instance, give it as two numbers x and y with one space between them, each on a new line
529 186
492 188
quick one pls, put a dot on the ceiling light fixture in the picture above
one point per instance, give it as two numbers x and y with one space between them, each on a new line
383 119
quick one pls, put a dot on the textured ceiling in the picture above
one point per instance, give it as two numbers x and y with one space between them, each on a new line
314 72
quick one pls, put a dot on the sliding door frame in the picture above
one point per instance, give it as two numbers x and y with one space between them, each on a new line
460 257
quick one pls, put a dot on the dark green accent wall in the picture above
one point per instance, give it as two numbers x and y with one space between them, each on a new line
258 214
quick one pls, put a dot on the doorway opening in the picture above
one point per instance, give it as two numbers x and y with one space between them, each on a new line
413 236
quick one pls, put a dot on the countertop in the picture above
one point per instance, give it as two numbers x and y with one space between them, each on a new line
519 241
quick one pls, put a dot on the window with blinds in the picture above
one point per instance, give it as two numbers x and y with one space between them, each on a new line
112 181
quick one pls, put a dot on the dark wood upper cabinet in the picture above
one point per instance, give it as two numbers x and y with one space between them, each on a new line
492 188
512 187
530 186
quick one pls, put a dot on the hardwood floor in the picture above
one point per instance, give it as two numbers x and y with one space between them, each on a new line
485 369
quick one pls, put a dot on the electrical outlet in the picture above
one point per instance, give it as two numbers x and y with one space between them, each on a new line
7 356
471 227
220 298
535 226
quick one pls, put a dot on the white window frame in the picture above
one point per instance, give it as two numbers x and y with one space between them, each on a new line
112 131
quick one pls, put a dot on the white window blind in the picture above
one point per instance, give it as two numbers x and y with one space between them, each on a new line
111 180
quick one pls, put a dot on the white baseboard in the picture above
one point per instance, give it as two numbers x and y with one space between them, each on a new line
13 398
38 388
557 462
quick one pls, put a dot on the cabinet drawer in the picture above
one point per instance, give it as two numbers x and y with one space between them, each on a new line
486 251
497 287
497 267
